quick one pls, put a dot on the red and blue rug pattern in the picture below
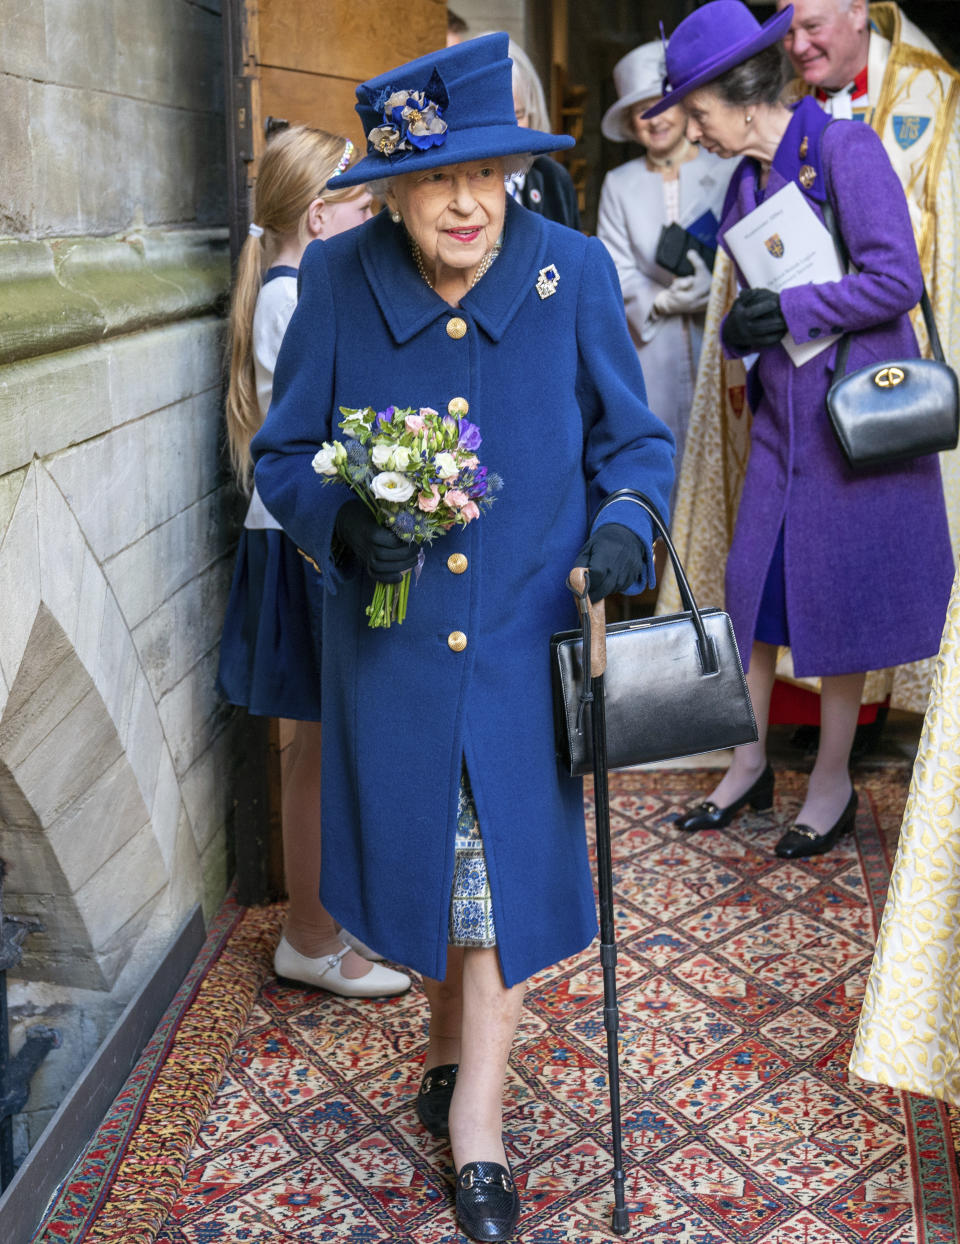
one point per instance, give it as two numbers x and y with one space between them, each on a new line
740 978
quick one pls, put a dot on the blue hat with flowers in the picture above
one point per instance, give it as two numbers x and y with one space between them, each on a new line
712 40
450 106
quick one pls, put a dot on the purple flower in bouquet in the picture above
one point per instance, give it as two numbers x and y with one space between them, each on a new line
470 438
478 483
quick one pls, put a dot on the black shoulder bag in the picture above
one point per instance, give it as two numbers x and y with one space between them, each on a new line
673 685
892 411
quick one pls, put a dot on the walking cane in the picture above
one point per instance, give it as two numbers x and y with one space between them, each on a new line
593 620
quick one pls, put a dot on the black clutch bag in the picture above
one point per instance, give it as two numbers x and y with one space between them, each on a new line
672 247
890 412
674 685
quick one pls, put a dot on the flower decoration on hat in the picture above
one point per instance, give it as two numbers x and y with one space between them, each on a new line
411 119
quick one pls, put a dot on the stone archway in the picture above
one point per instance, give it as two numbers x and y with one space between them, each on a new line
74 830
90 811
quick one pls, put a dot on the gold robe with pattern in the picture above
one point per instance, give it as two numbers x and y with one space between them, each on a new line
916 111
909 1034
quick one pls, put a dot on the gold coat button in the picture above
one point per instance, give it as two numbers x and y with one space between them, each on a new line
458 406
456 328
456 563
457 641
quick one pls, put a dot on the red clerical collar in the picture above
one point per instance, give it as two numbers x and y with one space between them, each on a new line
857 88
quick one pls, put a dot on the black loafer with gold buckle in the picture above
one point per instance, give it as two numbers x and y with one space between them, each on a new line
433 1098
800 841
708 816
487 1202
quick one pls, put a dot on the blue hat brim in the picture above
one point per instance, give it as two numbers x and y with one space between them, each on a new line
483 142
769 33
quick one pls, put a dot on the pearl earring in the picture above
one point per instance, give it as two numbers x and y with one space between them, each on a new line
396 217
749 118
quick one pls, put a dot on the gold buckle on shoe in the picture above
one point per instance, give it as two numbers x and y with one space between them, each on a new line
468 1180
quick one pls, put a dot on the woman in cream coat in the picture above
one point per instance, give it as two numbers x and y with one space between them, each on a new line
673 182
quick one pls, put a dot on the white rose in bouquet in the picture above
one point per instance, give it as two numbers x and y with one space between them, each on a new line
327 458
446 466
391 486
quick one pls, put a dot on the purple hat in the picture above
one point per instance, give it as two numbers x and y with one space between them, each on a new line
712 40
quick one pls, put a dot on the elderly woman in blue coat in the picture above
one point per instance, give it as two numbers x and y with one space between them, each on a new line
851 570
457 846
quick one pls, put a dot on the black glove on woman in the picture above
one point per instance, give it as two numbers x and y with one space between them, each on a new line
615 557
754 321
384 555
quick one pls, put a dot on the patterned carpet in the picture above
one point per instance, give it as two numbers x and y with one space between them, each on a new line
740 982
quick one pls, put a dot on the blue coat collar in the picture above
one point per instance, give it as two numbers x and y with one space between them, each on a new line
409 305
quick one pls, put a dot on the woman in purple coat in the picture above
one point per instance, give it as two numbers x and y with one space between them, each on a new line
852 571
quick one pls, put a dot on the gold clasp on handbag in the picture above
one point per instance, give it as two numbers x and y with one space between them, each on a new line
889 377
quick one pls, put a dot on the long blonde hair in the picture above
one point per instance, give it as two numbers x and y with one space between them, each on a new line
294 170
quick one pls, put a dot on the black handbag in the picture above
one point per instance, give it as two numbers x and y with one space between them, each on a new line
672 247
674 685
891 412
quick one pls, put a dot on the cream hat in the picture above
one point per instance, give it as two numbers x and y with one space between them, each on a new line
638 75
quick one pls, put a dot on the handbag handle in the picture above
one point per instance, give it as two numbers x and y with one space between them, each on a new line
843 350
709 661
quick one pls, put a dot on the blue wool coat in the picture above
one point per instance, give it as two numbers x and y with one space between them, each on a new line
556 390
868 565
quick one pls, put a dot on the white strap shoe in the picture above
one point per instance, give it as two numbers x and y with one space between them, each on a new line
326 973
362 949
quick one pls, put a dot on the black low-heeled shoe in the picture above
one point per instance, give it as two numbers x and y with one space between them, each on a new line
708 816
433 1098
800 840
488 1205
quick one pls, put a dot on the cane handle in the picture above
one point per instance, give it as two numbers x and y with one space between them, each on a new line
577 581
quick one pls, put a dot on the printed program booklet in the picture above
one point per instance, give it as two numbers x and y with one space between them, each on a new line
781 244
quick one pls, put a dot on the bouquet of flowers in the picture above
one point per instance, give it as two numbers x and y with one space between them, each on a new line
417 472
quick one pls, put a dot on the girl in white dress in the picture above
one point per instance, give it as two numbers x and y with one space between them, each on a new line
270 650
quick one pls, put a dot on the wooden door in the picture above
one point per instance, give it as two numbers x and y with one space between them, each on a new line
300 61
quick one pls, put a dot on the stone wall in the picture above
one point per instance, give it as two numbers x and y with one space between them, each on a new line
116 516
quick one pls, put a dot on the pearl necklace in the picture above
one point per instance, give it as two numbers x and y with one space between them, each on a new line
483 266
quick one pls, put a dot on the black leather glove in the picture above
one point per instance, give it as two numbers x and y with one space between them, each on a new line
615 557
754 321
385 556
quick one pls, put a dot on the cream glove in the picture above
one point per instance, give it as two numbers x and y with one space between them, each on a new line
685 294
